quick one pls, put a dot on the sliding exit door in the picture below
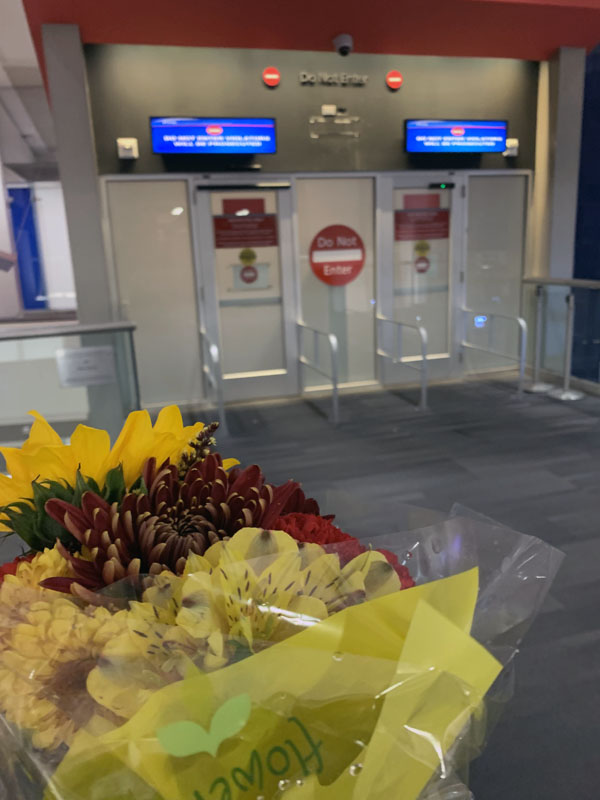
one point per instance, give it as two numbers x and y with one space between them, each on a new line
244 243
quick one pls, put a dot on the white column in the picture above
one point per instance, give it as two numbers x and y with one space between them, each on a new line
67 82
76 154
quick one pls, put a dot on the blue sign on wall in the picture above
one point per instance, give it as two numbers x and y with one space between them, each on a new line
455 136
213 136
31 273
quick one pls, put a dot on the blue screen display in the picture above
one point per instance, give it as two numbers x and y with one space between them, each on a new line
213 135
455 136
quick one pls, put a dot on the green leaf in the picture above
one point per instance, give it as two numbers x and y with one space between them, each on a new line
28 518
115 488
230 718
83 485
139 486
186 738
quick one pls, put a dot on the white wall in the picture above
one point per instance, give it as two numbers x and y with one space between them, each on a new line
10 300
54 245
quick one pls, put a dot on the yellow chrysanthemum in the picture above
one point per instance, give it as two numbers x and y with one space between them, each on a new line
21 590
257 588
44 456
45 664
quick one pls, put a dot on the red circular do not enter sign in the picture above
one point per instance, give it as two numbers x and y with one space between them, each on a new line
271 77
249 274
337 255
394 79
422 264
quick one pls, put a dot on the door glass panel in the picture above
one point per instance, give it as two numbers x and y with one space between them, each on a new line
497 212
422 265
248 280
151 241
337 276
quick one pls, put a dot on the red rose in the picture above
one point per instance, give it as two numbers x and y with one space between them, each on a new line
314 529
11 567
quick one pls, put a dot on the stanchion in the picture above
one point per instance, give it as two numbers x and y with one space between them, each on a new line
537 386
566 393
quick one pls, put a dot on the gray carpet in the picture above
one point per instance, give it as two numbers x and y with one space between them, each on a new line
533 465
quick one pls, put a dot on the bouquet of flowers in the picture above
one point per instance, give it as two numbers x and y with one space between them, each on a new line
181 629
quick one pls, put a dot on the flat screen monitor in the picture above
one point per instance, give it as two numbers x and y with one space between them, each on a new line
213 135
455 136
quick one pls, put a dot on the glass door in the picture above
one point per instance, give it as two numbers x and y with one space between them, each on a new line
494 265
244 243
419 271
336 244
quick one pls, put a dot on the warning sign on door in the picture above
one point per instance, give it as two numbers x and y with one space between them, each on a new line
254 230
422 223
337 255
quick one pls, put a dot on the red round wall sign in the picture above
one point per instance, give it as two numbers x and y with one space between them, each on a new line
271 77
422 264
337 255
394 79
248 273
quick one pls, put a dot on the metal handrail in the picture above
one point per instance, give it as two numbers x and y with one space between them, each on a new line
403 360
522 324
38 331
213 374
576 283
334 353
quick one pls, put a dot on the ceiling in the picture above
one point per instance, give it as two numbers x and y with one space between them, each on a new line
27 145
529 29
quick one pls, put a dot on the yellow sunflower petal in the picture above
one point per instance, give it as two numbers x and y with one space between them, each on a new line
228 463
169 421
41 433
50 463
91 448
133 446
11 490
15 465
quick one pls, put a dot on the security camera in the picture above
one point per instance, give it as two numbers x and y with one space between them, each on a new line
344 44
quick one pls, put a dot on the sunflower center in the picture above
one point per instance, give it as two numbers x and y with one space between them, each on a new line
68 690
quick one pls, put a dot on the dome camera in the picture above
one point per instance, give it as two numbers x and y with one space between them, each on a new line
344 44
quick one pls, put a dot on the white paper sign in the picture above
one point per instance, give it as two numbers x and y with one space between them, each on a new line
86 366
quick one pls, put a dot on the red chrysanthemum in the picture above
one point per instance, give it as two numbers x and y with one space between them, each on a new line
12 566
311 528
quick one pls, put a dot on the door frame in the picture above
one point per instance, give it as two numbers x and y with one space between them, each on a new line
384 184
263 384
439 365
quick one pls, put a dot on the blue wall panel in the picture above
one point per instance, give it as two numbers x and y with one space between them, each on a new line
33 285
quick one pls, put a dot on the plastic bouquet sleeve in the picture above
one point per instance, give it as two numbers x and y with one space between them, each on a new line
178 628
401 672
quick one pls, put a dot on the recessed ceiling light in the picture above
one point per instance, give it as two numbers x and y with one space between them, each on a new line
177 211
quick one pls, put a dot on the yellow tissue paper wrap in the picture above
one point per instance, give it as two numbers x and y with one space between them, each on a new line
366 704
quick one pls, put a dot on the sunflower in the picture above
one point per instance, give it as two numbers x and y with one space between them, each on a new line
257 588
44 668
44 455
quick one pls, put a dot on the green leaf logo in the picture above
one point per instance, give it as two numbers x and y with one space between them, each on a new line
186 738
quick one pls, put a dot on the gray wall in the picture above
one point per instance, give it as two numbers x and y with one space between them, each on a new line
130 83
